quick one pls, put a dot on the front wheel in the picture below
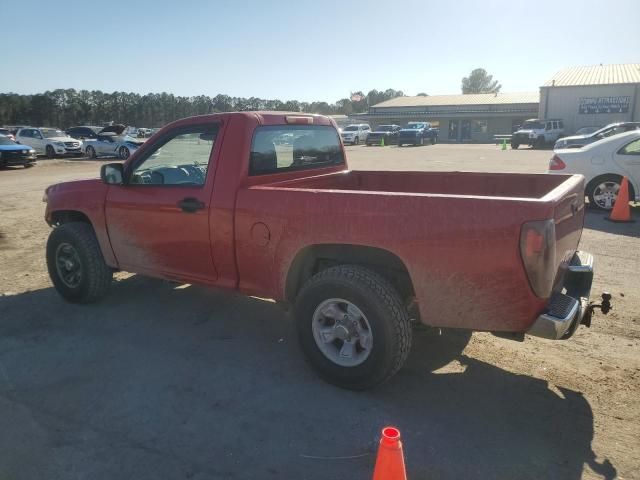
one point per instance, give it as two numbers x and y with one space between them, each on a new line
91 153
51 153
433 140
515 145
352 326
75 263
123 153
603 191
356 140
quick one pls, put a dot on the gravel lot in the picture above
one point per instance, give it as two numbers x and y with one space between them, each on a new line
163 381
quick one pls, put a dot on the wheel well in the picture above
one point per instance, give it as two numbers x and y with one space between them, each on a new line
590 185
65 216
316 258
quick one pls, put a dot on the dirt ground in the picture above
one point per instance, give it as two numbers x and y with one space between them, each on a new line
167 381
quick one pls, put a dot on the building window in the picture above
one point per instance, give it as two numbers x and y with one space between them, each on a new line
479 126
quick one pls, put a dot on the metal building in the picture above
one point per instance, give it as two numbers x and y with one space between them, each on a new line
592 96
461 118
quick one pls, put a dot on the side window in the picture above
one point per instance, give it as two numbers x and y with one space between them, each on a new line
26 133
180 158
282 148
632 148
560 124
549 126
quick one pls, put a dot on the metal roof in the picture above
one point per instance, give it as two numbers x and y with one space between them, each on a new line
596 75
456 100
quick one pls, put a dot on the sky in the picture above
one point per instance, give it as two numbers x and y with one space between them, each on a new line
319 50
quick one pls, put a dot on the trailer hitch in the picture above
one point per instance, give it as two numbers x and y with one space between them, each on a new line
605 307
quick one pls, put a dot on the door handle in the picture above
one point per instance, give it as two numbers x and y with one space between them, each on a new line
190 204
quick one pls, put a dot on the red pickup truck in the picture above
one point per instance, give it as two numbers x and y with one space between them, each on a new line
264 203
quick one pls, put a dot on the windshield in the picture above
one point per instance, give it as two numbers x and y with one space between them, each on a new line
351 128
51 133
414 126
384 128
6 140
532 126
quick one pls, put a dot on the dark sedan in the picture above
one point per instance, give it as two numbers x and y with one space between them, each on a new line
384 135
12 153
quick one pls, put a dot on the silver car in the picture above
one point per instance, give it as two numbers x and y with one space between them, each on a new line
111 142
579 141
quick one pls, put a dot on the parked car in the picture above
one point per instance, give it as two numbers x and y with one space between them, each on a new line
388 133
358 253
588 130
603 164
111 142
578 141
7 133
12 153
538 133
355 134
144 132
417 133
83 132
49 141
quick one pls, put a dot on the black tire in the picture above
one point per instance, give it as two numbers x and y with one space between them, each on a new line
384 310
421 141
28 165
399 145
611 179
123 153
433 140
51 153
91 153
95 274
515 145
356 140
540 143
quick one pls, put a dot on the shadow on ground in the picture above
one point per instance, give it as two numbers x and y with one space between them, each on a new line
164 382
595 219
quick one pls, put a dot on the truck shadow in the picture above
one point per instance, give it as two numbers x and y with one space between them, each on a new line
595 219
176 381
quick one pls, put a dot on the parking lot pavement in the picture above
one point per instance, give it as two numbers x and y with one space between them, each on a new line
171 381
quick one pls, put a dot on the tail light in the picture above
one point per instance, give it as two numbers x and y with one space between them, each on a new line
538 251
556 163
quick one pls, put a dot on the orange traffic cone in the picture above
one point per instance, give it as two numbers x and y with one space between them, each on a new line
621 211
390 461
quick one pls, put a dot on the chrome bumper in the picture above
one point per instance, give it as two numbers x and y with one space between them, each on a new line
567 307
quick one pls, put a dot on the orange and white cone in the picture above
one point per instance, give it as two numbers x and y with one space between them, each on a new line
621 212
390 460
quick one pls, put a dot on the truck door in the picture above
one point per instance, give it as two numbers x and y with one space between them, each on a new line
158 220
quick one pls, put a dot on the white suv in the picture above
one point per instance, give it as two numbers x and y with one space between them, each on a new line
354 134
49 141
538 133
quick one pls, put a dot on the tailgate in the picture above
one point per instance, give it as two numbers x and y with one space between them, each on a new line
568 215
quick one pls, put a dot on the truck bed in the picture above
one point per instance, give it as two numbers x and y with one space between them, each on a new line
509 185
457 233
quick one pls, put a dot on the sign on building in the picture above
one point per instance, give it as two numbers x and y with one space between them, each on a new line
591 105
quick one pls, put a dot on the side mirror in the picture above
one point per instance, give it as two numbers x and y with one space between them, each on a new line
112 173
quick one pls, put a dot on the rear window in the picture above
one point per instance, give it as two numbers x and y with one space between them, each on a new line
280 148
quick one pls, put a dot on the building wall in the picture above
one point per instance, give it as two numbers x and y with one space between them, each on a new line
564 103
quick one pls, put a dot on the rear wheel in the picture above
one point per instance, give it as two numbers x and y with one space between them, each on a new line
28 165
433 140
421 141
75 263
51 153
352 326
603 191
540 143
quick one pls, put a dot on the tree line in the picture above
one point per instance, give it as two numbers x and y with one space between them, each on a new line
68 107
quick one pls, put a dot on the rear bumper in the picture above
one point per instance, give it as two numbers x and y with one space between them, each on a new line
567 307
